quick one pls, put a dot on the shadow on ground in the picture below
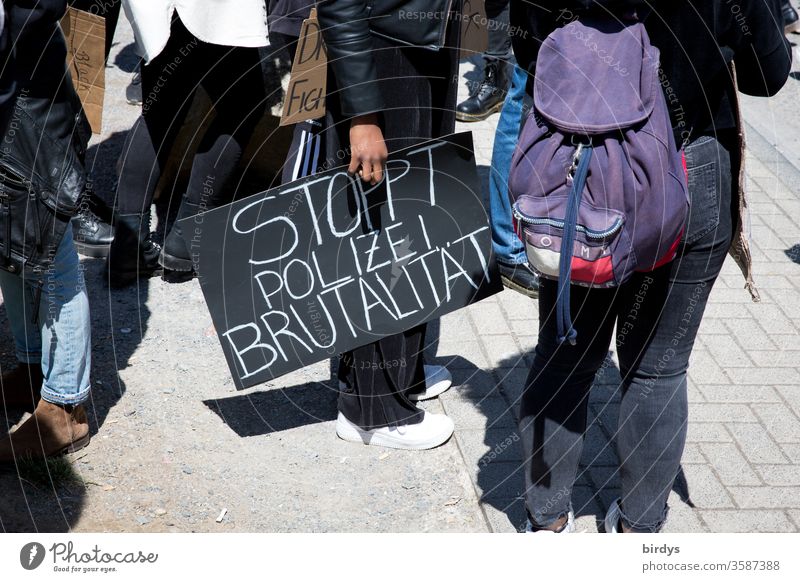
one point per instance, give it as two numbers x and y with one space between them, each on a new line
793 253
499 476
49 497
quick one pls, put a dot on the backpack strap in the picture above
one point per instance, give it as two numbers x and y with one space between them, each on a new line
566 333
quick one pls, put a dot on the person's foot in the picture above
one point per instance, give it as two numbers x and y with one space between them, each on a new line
490 94
175 255
612 523
21 387
791 21
133 92
52 430
434 430
521 278
93 237
568 526
134 253
437 381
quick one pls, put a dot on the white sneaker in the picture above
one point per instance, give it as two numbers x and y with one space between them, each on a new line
569 527
434 430
612 517
437 381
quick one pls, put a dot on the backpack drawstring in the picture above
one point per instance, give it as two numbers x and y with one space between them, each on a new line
583 156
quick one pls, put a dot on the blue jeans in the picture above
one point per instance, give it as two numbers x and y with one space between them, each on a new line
60 339
507 247
657 315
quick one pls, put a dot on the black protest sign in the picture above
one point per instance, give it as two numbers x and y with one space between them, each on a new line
327 263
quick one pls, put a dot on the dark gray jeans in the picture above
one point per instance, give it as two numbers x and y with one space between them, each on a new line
657 315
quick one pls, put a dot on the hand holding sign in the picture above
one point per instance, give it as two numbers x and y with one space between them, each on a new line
367 148
325 264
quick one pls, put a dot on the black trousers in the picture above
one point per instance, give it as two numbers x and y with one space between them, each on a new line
233 80
497 12
419 89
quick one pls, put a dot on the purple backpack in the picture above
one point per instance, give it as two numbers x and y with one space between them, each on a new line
597 184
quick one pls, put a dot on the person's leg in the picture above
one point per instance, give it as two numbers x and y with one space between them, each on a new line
506 244
21 385
169 84
19 303
233 80
488 94
656 334
509 250
65 329
59 339
376 379
499 28
59 422
553 409
235 84
91 226
112 18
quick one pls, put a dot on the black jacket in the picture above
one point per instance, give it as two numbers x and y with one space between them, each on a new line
41 151
697 39
39 47
286 16
347 26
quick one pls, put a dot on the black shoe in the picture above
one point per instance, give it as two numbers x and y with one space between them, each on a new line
133 92
520 278
92 236
791 21
175 255
490 94
133 253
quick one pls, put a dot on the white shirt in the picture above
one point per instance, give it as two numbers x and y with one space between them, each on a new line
223 22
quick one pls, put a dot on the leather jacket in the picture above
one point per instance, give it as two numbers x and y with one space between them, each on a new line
347 26
42 144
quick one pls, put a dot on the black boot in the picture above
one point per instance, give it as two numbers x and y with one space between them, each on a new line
90 226
521 278
133 253
175 256
92 236
490 94
791 21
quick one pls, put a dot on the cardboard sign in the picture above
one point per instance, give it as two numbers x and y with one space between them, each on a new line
305 95
325 264
86 58
474 28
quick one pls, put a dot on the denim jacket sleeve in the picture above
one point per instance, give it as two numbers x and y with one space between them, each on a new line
345 28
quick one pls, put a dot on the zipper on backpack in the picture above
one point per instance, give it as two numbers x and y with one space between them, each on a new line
555 223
